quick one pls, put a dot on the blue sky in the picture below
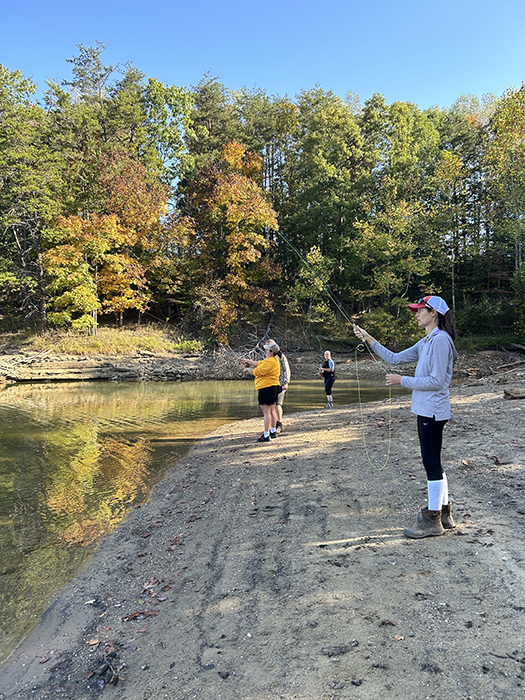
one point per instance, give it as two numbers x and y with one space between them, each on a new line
410 50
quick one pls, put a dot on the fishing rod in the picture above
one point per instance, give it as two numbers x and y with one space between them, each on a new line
325 287
359 348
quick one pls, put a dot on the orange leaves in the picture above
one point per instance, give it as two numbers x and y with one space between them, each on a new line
122 284
135 195
234 154
231 220
97 261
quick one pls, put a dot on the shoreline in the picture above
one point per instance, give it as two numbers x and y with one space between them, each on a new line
281 571
146 366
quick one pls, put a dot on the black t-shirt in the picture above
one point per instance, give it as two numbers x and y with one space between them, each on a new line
326 364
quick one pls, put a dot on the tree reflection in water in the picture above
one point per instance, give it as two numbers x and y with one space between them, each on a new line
74 458
93 481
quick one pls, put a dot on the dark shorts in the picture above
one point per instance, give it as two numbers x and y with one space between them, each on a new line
280 396
268 395
328 383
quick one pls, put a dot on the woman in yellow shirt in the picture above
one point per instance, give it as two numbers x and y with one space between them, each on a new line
266 373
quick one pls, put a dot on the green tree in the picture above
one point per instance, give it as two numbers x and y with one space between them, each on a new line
29 200
269 127
505 162
213 121
386 253
326 177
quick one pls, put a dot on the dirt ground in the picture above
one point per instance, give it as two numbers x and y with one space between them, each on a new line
280 572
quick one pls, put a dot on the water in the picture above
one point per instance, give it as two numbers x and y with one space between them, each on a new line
74 458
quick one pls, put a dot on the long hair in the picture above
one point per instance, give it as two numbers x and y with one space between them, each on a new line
446 323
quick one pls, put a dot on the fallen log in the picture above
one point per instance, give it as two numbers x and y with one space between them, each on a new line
511 364
68 375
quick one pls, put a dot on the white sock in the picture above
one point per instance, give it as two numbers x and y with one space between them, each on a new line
435 494
272 430
445 490
266 433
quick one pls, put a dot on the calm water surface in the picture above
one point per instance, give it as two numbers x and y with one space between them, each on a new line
74 458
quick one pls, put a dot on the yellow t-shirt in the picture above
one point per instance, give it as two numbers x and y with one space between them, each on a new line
267 373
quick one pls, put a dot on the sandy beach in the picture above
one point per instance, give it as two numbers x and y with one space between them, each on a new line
280 571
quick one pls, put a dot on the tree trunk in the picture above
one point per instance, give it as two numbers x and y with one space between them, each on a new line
41 291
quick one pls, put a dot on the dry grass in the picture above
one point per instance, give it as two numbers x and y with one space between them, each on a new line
108 341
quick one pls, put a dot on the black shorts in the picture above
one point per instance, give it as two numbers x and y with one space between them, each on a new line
328 383
268 395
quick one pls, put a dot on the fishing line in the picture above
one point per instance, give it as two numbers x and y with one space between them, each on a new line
359 348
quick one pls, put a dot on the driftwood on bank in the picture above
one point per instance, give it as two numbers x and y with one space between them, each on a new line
88 369
221 364
511 364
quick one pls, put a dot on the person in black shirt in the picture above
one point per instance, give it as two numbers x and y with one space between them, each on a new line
327 372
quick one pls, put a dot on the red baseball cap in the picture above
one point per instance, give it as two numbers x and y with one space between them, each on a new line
437 303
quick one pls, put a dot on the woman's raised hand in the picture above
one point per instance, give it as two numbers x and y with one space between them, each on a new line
363 335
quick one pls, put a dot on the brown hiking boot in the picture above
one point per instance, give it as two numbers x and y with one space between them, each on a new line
428 525
446 517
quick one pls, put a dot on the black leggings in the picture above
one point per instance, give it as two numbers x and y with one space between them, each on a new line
328 383
430 433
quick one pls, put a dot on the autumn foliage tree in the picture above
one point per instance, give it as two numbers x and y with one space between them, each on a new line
96 262
120 195
232 220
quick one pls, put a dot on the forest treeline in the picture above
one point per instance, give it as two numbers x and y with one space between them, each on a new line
121 196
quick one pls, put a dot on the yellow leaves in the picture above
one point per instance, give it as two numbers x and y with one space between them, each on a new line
92 256
223 319
234 154
99 255
122 284
89 236
85 459
236 281
449 169
241 202
175 232
252 164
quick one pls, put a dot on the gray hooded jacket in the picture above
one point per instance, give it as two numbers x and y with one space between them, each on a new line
435 355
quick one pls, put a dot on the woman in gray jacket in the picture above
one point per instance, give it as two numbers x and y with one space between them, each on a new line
435 355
